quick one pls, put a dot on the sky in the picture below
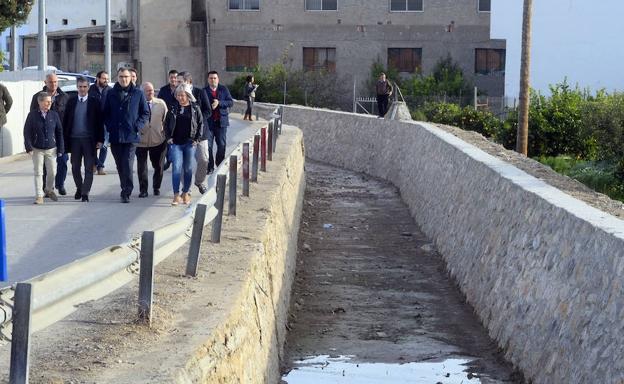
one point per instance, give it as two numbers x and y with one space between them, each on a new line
578 39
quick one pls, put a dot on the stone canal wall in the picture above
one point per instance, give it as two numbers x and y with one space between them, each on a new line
542 269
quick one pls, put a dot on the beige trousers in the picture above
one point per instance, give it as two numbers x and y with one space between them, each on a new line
39 156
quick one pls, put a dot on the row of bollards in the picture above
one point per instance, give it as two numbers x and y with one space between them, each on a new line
264 146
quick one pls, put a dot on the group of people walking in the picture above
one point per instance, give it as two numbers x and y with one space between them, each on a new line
178 124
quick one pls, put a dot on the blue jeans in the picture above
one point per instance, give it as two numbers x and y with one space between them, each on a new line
182 162
103 151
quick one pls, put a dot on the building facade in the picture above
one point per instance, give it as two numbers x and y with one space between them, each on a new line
345 36
81 49
65 15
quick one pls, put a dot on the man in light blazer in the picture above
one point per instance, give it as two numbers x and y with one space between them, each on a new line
153 142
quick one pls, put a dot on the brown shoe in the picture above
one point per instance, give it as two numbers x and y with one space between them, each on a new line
52 195
176 199
38 200
186 198
101 172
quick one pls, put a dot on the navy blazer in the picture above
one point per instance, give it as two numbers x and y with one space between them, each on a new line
58 105
125 117
225 103
94 121
43 133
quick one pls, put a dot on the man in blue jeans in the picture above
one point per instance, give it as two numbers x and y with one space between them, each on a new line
220 101
125 113
98 90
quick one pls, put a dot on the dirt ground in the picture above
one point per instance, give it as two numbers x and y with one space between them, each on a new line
369 284
532 167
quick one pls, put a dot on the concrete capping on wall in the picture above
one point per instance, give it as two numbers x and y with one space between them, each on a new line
542 269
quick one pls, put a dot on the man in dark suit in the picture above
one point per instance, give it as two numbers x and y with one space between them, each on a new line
99 90
83 131
220 101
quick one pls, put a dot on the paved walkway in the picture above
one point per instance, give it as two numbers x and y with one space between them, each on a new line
372 301
41 238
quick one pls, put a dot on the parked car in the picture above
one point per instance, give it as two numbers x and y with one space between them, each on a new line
67 81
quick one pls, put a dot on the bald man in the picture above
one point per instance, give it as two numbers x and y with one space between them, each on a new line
153 142
59 102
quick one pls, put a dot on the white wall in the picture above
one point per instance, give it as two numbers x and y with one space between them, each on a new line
11 135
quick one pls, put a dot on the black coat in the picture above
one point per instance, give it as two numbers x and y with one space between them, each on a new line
58 105
94 121
197 122
43 134
94 91
168 96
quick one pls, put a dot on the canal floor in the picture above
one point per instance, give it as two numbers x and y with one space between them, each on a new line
372 301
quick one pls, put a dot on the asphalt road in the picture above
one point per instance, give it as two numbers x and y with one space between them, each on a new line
42 238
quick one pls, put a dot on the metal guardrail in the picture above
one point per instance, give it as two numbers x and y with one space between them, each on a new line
57 293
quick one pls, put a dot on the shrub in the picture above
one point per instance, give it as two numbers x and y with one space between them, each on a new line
443 113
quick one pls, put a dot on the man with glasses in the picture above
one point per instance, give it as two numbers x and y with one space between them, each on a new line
125 113
83 134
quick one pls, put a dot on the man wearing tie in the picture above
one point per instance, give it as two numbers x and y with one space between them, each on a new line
153 143
84 131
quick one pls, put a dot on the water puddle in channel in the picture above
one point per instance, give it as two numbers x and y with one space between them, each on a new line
341 370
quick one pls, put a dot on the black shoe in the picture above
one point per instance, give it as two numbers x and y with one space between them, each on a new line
201 188
85 198
143 194
125 199
156 192
62 191
77 195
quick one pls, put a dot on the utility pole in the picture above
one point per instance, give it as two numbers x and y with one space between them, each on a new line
43 37
13 48
522 141
107 39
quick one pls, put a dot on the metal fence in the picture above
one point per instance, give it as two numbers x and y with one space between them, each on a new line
35 304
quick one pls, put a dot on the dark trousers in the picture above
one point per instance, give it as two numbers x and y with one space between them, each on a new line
157 158
61 171
124 153
83 148
250 102
382 104
218 134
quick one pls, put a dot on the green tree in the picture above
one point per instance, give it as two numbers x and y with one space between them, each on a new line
13 12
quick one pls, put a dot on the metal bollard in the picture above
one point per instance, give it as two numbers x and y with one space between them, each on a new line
20 337
4 273
232 182
275 124
254 163
270 141
146 277
263 149
192 262
245 169
216 224
256 114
